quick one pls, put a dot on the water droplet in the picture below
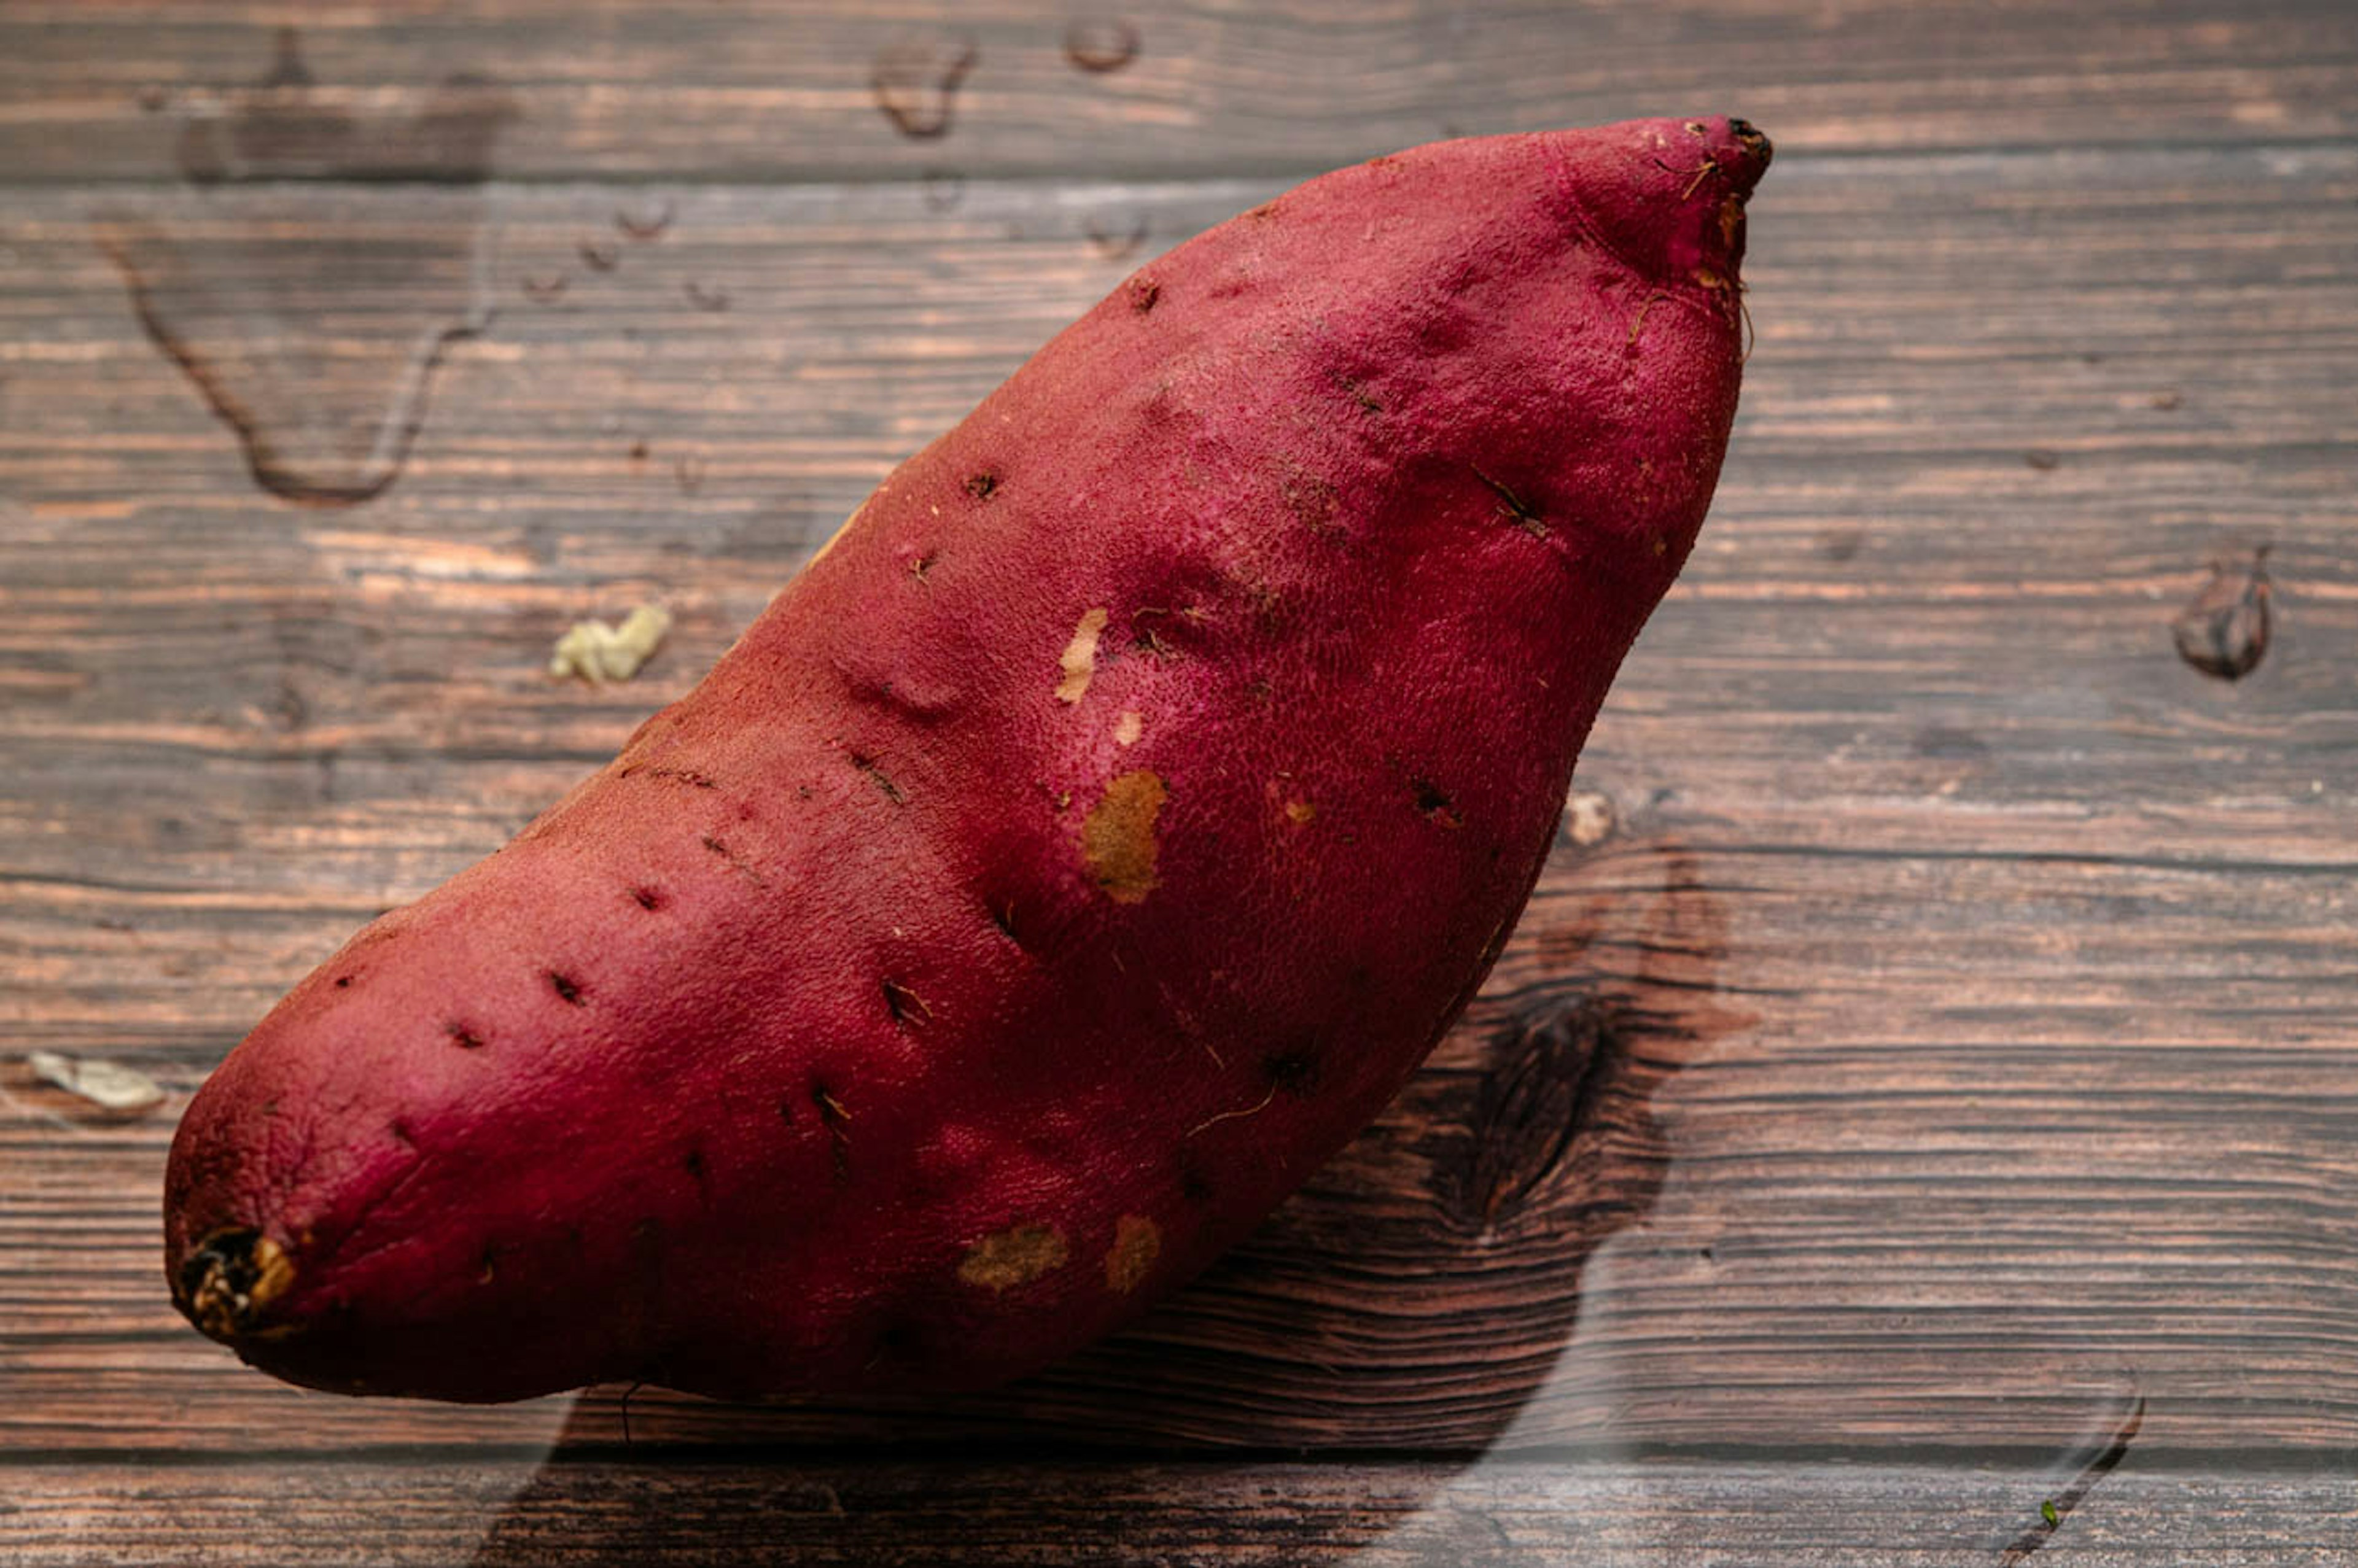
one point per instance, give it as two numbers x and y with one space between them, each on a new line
2224 632
600 255
286 67
1101 44
646 221
545 286
707 296
915 82
281 127
1113 244
316 344
944 188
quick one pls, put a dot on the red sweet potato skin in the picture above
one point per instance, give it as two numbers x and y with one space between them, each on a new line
1072 859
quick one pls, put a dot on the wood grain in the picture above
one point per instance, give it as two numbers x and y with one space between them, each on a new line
498 1510
1976 971
1946 1050
797 91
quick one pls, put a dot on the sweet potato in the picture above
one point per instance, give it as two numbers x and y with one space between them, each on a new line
1080 849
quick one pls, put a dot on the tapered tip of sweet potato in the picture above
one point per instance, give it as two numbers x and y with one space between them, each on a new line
1666 196
1755 150
226 1283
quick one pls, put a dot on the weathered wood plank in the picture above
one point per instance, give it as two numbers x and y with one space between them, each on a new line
1868 1180
496 1510
1973 973
538 88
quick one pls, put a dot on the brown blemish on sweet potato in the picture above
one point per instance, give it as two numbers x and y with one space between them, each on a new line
1118 843
1131 725
1016 1256
1137 1242
1143 293
1300 812
1079 660
982 486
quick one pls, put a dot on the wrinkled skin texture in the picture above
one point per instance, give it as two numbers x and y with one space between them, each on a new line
1074 855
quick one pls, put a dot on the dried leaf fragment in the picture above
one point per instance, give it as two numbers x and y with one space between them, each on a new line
597 652
107 1085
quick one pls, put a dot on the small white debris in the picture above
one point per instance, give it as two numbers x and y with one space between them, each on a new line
1589 817
597 652
109 1085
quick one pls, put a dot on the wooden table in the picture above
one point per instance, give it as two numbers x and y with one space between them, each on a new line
1923 1090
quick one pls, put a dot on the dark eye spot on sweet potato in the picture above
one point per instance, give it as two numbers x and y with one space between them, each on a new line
1143 294
837 1120
877 776
647 898
1003 917
903 1003
982 486
1294 1073
463 1037
344 982
1513 507
1435 804
566 987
